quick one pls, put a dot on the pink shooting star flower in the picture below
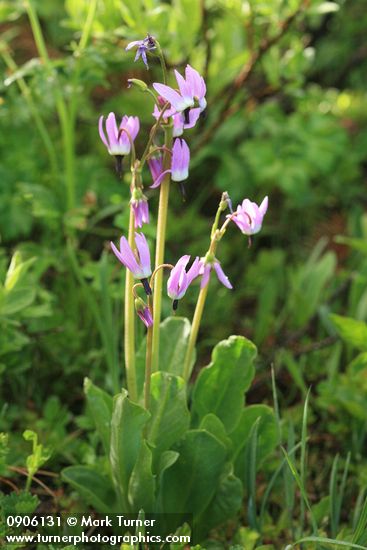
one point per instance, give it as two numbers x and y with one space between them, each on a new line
117 140
143 46
179 163
143 312
249 216
192 90
206 265
180 121
136 262
179 280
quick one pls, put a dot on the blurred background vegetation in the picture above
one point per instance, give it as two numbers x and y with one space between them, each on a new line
286 118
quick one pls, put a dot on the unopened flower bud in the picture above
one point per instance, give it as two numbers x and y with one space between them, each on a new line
138 83
225 202
143 312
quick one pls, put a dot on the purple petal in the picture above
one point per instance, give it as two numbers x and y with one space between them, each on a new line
117 252
193 272
146 316
111 128
101 131
221 275
264 206
158 181
184 87
133 44
155 166
128 256
196 82
144 58
170 95
205 275
132 125
194 115
144 254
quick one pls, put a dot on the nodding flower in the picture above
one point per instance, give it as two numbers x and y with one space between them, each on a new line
143 312
179 280
143 46
136 262
181 121
139 204
206 266
179 163
118 138
249 216
192 90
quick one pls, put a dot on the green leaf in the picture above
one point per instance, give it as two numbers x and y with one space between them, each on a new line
39 455
214 426
128 421
17 299
95 488
174 330
332 542
100 405
352 331
190 484
220 387
267 434
224 506
16 271
142 482
170 415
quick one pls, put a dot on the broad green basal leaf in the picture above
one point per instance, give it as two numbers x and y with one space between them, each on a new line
142 482
100 405
95 488
190 483
220 387
128 422
267 435
225 504
170 416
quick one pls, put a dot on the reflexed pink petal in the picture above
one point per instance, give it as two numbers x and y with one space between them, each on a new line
111 128
194 115
144 254
185 89
205 275
158 181
170 95
221 275
264 206
193 272
128 256
101 131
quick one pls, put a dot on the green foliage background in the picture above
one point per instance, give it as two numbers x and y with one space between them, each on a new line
286 118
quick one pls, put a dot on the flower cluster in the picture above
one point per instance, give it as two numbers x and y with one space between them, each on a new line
179 108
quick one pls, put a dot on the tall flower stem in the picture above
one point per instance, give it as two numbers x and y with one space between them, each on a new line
148 363
160 246
129 325
194 332
215 236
